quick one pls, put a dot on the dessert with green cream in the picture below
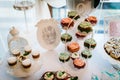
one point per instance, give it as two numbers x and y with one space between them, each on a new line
61 75
86 53
49 76
90 43
73 15
85 27
64 57
66 37
73 78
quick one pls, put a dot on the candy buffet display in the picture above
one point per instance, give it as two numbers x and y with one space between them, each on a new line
58 75
21 59
73 48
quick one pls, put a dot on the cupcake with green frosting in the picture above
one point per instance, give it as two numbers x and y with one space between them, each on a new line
61 75
64 57
73 78
86 53
73 15
49 76
85 27
66 37
90 43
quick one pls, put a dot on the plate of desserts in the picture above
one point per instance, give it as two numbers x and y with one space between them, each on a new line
57 75
112 49
112 39
23 65
73 53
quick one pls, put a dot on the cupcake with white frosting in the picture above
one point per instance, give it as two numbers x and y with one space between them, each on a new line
12 61
75 55
27 50
26 63
16 52
49 76
61 75
35 54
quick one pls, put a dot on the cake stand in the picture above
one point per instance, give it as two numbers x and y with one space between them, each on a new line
19 71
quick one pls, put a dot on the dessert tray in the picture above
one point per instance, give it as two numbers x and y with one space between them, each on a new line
111 39
19 50
18 70
111 57
48 33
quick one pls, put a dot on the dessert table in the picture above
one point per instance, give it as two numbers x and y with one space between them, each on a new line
50 61
49 58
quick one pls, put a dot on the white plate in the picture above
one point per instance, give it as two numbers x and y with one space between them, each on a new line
48 33
19 71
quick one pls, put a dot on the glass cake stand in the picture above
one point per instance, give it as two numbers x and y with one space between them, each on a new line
24 5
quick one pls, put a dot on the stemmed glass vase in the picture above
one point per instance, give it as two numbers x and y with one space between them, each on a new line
24 5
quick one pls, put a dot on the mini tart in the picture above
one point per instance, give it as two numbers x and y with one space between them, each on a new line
72 78
67 23
61 75
80 34
85 27
16 52
86 53
73 15
66 37
91 19
27 50
90 43
12 61
48 76
64 57
75 56
73 47
78 63
26 63
35 54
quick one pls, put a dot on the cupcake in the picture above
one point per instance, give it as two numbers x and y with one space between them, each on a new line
91 19
86 53
90 43
27 50
85 27
67 23
61 75
72 78
73 47
66 37
35 54
12 61
75 56
16 52
73 15
64 57
48 76
78 63
81 34
26 63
